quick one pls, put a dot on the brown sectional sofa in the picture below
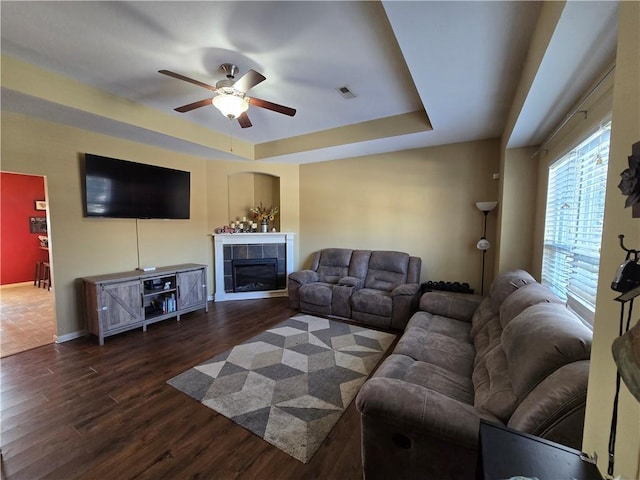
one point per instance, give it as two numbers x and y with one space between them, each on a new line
375 287
518 358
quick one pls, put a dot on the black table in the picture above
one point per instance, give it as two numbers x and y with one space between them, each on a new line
506 453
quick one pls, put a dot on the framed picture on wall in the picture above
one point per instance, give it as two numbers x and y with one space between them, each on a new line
37 224
41 205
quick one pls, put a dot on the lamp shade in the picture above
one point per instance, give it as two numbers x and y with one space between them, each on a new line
483 244
231 106
486 206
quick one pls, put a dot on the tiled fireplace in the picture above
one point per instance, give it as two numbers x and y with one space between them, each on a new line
252 265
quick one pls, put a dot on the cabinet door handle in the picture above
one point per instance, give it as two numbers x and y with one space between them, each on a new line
178 290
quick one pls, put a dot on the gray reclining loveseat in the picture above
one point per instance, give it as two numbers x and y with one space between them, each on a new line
518 358
374 287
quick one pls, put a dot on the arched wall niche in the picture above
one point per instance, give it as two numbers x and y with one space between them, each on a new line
248 189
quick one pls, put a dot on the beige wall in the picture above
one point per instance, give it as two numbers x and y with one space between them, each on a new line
247 190
418 201
267 191
518 209
241 187
513 248
83 246
284 177
623 100
625 131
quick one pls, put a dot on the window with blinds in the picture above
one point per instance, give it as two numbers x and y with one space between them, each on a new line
573 223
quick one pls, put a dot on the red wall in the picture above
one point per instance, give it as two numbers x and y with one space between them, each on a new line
19 249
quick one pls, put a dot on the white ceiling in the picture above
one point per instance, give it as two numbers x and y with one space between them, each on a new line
458 61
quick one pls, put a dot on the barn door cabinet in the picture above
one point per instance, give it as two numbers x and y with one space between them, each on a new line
118 302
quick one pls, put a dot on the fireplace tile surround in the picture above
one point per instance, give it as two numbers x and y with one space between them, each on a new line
229 246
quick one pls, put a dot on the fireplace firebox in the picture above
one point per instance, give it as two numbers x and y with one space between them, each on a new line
255 274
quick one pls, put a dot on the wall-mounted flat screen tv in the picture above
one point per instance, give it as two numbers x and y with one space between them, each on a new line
122 189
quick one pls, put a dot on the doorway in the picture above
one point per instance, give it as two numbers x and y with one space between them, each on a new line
27 303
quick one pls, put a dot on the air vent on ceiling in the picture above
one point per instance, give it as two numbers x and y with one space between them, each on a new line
346 92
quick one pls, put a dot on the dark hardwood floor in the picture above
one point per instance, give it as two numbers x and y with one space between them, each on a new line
80 411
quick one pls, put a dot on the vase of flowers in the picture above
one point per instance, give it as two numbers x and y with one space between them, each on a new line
264 215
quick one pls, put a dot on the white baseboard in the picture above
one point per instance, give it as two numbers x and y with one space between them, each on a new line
70 336
13 285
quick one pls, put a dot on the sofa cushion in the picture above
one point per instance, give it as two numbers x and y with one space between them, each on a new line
485 328
449 304
482 315
541 339
387 270
427 375
372 301
334 264
525 297
438 341
507 283
493 389
359 263
487 337
317 293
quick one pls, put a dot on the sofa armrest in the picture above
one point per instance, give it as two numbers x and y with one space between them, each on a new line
304 276
355 282
453 305
555 408
405 289
296 280
416 410
405 299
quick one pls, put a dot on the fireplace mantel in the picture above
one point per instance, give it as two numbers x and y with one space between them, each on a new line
222 239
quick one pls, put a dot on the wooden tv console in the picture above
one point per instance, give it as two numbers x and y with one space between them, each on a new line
117 302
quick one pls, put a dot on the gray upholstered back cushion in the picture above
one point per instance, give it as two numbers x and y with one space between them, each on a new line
485 328
541 339
415 269
493 389
523 298
333 264
359 263
507 283
387 270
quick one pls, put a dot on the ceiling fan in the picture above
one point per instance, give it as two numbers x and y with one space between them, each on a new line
231 95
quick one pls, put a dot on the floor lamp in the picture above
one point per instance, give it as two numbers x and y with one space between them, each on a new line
483 244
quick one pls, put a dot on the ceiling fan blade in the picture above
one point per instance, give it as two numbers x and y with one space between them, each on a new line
244 121
187 79
272 106
248 80
194 105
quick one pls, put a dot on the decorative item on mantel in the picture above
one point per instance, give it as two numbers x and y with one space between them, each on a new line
239 226
264 215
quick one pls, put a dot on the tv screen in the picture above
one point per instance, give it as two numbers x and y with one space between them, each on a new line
122 189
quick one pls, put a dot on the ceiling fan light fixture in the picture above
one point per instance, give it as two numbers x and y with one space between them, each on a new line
231 106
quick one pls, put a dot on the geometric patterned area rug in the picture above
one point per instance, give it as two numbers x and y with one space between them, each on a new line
290 384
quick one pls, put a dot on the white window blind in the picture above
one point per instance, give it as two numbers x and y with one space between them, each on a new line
573 223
